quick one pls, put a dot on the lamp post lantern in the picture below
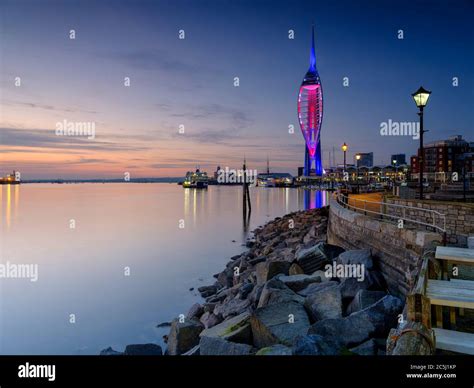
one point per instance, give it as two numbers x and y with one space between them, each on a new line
421 97
344 149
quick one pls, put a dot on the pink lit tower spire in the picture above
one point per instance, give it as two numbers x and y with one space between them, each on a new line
310 115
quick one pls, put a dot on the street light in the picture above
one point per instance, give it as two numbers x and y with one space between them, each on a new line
344 149
394 161
357 163
421 97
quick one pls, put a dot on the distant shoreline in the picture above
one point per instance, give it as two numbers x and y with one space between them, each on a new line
135 180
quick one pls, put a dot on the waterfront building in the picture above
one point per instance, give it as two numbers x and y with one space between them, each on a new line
310 116
443 158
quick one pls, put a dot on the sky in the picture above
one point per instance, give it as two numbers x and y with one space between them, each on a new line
190 83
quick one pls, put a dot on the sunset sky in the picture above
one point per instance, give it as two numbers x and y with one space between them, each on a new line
190 82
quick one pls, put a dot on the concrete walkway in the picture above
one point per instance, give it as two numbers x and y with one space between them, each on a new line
357 200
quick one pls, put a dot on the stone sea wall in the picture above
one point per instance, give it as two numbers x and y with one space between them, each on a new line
396 251
459 216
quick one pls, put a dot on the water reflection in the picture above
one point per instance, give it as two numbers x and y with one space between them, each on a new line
10 207
315 199
16 200
197 202
89 264
8 212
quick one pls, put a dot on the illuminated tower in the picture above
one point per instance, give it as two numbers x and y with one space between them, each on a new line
310 116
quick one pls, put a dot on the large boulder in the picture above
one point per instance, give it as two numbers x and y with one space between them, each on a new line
374 321
195 311
275 350
331 251
207 291
275 291
183 336
299 282
351 286
236 329
269 269
219 296
209 319
358 256
278 323
245 290
315 345
311 259
232 307
256 260
143 350
363 299
325 304
226 278
317 287
215 346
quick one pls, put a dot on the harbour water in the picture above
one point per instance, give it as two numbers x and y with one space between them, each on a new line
114 260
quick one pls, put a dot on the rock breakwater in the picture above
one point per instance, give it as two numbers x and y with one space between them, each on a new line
284 296
278 299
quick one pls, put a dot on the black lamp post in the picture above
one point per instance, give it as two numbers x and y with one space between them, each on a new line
344 149
394 161
421 98
357 163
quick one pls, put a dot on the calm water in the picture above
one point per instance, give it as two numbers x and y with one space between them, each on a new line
82 270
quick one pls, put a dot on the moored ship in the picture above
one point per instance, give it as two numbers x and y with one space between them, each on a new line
10 179
196 180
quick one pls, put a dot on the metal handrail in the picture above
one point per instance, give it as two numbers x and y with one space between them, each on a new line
432 213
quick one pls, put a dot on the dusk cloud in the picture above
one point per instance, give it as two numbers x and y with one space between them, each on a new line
35 105
47 138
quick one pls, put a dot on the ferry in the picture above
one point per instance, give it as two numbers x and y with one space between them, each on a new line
265 180
10 179
196 180
275 179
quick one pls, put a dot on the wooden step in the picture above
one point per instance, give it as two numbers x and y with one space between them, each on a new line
458 255
454 341
452 294
464 283
453 283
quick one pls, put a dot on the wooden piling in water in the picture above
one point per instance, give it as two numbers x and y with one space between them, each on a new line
246 196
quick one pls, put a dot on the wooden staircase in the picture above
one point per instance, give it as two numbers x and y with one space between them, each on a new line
454 295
